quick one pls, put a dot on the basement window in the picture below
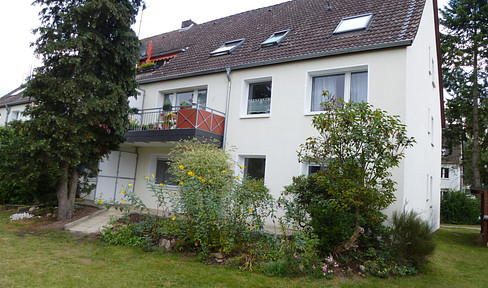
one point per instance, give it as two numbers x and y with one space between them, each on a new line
227 48
354 23
275 39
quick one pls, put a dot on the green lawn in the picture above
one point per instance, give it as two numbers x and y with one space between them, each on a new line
56 260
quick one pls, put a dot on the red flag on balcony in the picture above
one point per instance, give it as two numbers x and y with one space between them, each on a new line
149 52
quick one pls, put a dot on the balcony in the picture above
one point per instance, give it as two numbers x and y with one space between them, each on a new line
178 123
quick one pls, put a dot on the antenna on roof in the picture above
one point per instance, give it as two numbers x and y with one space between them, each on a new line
329 6
140 21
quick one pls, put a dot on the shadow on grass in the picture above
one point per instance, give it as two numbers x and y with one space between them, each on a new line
459 237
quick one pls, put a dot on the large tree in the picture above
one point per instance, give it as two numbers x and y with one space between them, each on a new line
80 114
464 43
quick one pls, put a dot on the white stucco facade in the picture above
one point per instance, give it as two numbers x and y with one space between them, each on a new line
403 81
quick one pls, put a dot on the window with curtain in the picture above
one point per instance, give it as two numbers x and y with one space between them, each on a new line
349 86
259 100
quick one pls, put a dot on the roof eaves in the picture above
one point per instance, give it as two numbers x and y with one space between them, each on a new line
284 60
23 101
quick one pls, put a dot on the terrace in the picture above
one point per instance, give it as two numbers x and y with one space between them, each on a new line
176 124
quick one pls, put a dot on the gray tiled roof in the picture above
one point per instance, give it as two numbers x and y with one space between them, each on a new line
14 97
394 23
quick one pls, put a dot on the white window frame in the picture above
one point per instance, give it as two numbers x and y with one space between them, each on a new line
241 160
153 164
245 97
367 21
227 48
274 40
347 70
175 90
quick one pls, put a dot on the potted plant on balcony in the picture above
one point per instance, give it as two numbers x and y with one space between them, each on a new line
167 106
184 105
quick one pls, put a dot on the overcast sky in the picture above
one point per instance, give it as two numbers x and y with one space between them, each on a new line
18 18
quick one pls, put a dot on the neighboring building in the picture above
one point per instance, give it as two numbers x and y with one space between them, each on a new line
254 81
451 170
12 105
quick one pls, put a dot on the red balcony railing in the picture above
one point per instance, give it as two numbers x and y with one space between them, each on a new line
179 117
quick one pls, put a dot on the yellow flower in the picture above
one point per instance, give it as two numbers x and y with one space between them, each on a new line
173 219
224 171
191 173
181 182
147 178
122 192
170 192
199 178
130 184
209 181
161 184
152 175
250 210
237 177
251 229
242 167
182 167
100 201
203 180
123 201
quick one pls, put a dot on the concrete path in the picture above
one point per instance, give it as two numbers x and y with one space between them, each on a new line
93 223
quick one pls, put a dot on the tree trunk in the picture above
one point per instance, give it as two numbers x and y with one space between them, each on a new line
476 137
66 193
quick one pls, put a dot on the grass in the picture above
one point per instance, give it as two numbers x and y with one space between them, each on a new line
56 260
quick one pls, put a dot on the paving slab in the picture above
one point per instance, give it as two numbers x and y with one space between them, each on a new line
93 223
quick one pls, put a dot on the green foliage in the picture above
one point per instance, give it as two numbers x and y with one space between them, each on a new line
308 206
358 146
213 210
459 208
411 239
81 110
24 179
300 256
465 34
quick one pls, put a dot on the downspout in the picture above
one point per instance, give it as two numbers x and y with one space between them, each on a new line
224 141
8 113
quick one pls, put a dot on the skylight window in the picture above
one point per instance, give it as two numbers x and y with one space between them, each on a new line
354 23
227 48
275 38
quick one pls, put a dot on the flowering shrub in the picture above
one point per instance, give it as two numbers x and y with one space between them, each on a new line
220 209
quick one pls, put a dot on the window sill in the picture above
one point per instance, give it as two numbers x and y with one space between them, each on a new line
313 113
251 116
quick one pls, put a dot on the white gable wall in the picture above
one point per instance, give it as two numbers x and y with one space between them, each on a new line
423 120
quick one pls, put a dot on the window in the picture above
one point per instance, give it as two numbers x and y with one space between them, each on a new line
254 168
275 39
312 169
227 48
354 23
202 97
187 96
184 98
259 98
162 173
15 115
349 86
445 173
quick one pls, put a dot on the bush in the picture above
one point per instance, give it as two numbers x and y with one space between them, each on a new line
459 208
411 239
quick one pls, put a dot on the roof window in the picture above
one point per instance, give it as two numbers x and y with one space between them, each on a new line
275 38
227 48
354 23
